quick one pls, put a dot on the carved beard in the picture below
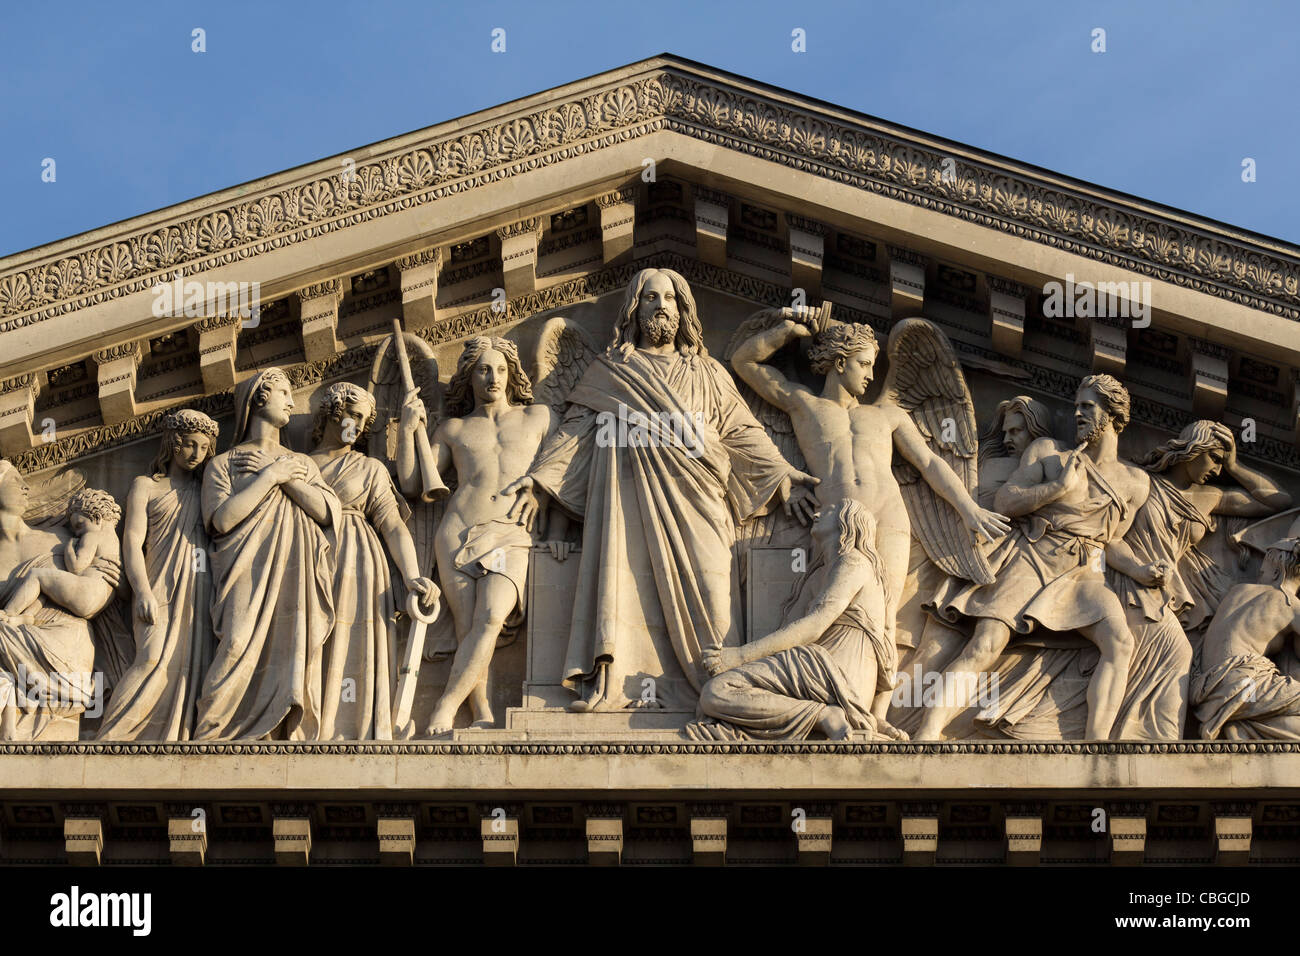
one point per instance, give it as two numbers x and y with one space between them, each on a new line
659 329
1094 431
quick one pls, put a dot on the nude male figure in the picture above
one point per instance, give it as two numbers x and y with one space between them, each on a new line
1240 693
490 437
850 446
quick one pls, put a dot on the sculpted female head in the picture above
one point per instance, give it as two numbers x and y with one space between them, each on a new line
13 490
189 438
348 406
1203 446
267 395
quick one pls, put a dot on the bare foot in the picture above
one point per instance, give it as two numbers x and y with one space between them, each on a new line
889 730
487 724
440 724
834 724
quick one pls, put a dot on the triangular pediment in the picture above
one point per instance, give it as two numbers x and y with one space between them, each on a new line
556 198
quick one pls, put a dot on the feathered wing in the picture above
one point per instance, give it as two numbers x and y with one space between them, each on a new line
48 503
560 357
926 381
389 392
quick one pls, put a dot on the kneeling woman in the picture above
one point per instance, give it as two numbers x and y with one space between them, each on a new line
821 670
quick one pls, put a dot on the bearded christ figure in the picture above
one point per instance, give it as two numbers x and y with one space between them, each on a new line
658 582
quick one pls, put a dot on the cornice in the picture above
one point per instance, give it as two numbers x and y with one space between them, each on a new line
597 748
667 94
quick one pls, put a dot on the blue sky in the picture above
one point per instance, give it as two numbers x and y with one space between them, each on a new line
136 121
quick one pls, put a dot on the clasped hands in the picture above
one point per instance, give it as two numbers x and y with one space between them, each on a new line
284 468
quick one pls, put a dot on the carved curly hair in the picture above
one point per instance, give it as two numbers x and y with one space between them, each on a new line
334 405
1038 422
1114 397
460 391
1198 438
95 505
839 341
183 421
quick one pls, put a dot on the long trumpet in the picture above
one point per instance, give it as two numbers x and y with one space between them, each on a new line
432 485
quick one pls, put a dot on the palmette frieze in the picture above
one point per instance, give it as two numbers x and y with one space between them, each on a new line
869 158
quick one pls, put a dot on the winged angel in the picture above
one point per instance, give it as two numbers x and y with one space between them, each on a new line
486 426
924 413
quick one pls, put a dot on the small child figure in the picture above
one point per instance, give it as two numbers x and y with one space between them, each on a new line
93 517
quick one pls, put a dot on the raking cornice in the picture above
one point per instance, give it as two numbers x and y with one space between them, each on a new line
663 92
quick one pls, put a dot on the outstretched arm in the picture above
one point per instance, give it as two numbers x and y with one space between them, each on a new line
848 575
939 476
750 359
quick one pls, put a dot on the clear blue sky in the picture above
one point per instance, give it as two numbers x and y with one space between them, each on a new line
136 121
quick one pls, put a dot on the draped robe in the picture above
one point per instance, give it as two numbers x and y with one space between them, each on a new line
363 645
46 667
657 579
157 696
272 609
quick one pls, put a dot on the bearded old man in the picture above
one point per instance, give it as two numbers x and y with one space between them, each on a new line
658 582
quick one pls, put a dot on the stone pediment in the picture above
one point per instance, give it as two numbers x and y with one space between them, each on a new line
531 221
786 175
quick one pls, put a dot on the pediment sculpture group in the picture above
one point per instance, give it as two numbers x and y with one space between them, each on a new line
262 590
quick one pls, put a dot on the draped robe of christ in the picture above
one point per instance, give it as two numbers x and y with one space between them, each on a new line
658 580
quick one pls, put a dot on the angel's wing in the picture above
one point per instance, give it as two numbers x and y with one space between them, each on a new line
1258 535
389 392
561 355
48 503
925 380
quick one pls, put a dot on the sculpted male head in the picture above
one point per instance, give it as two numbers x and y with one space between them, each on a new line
657 309
1281 562
1017 423
847 350
487 368
91 504
1101 402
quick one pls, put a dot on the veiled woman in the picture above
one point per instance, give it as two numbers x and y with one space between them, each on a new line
266 508
165 557
362 647
45 666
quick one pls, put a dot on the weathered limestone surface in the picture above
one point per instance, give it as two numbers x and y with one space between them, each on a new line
808 433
